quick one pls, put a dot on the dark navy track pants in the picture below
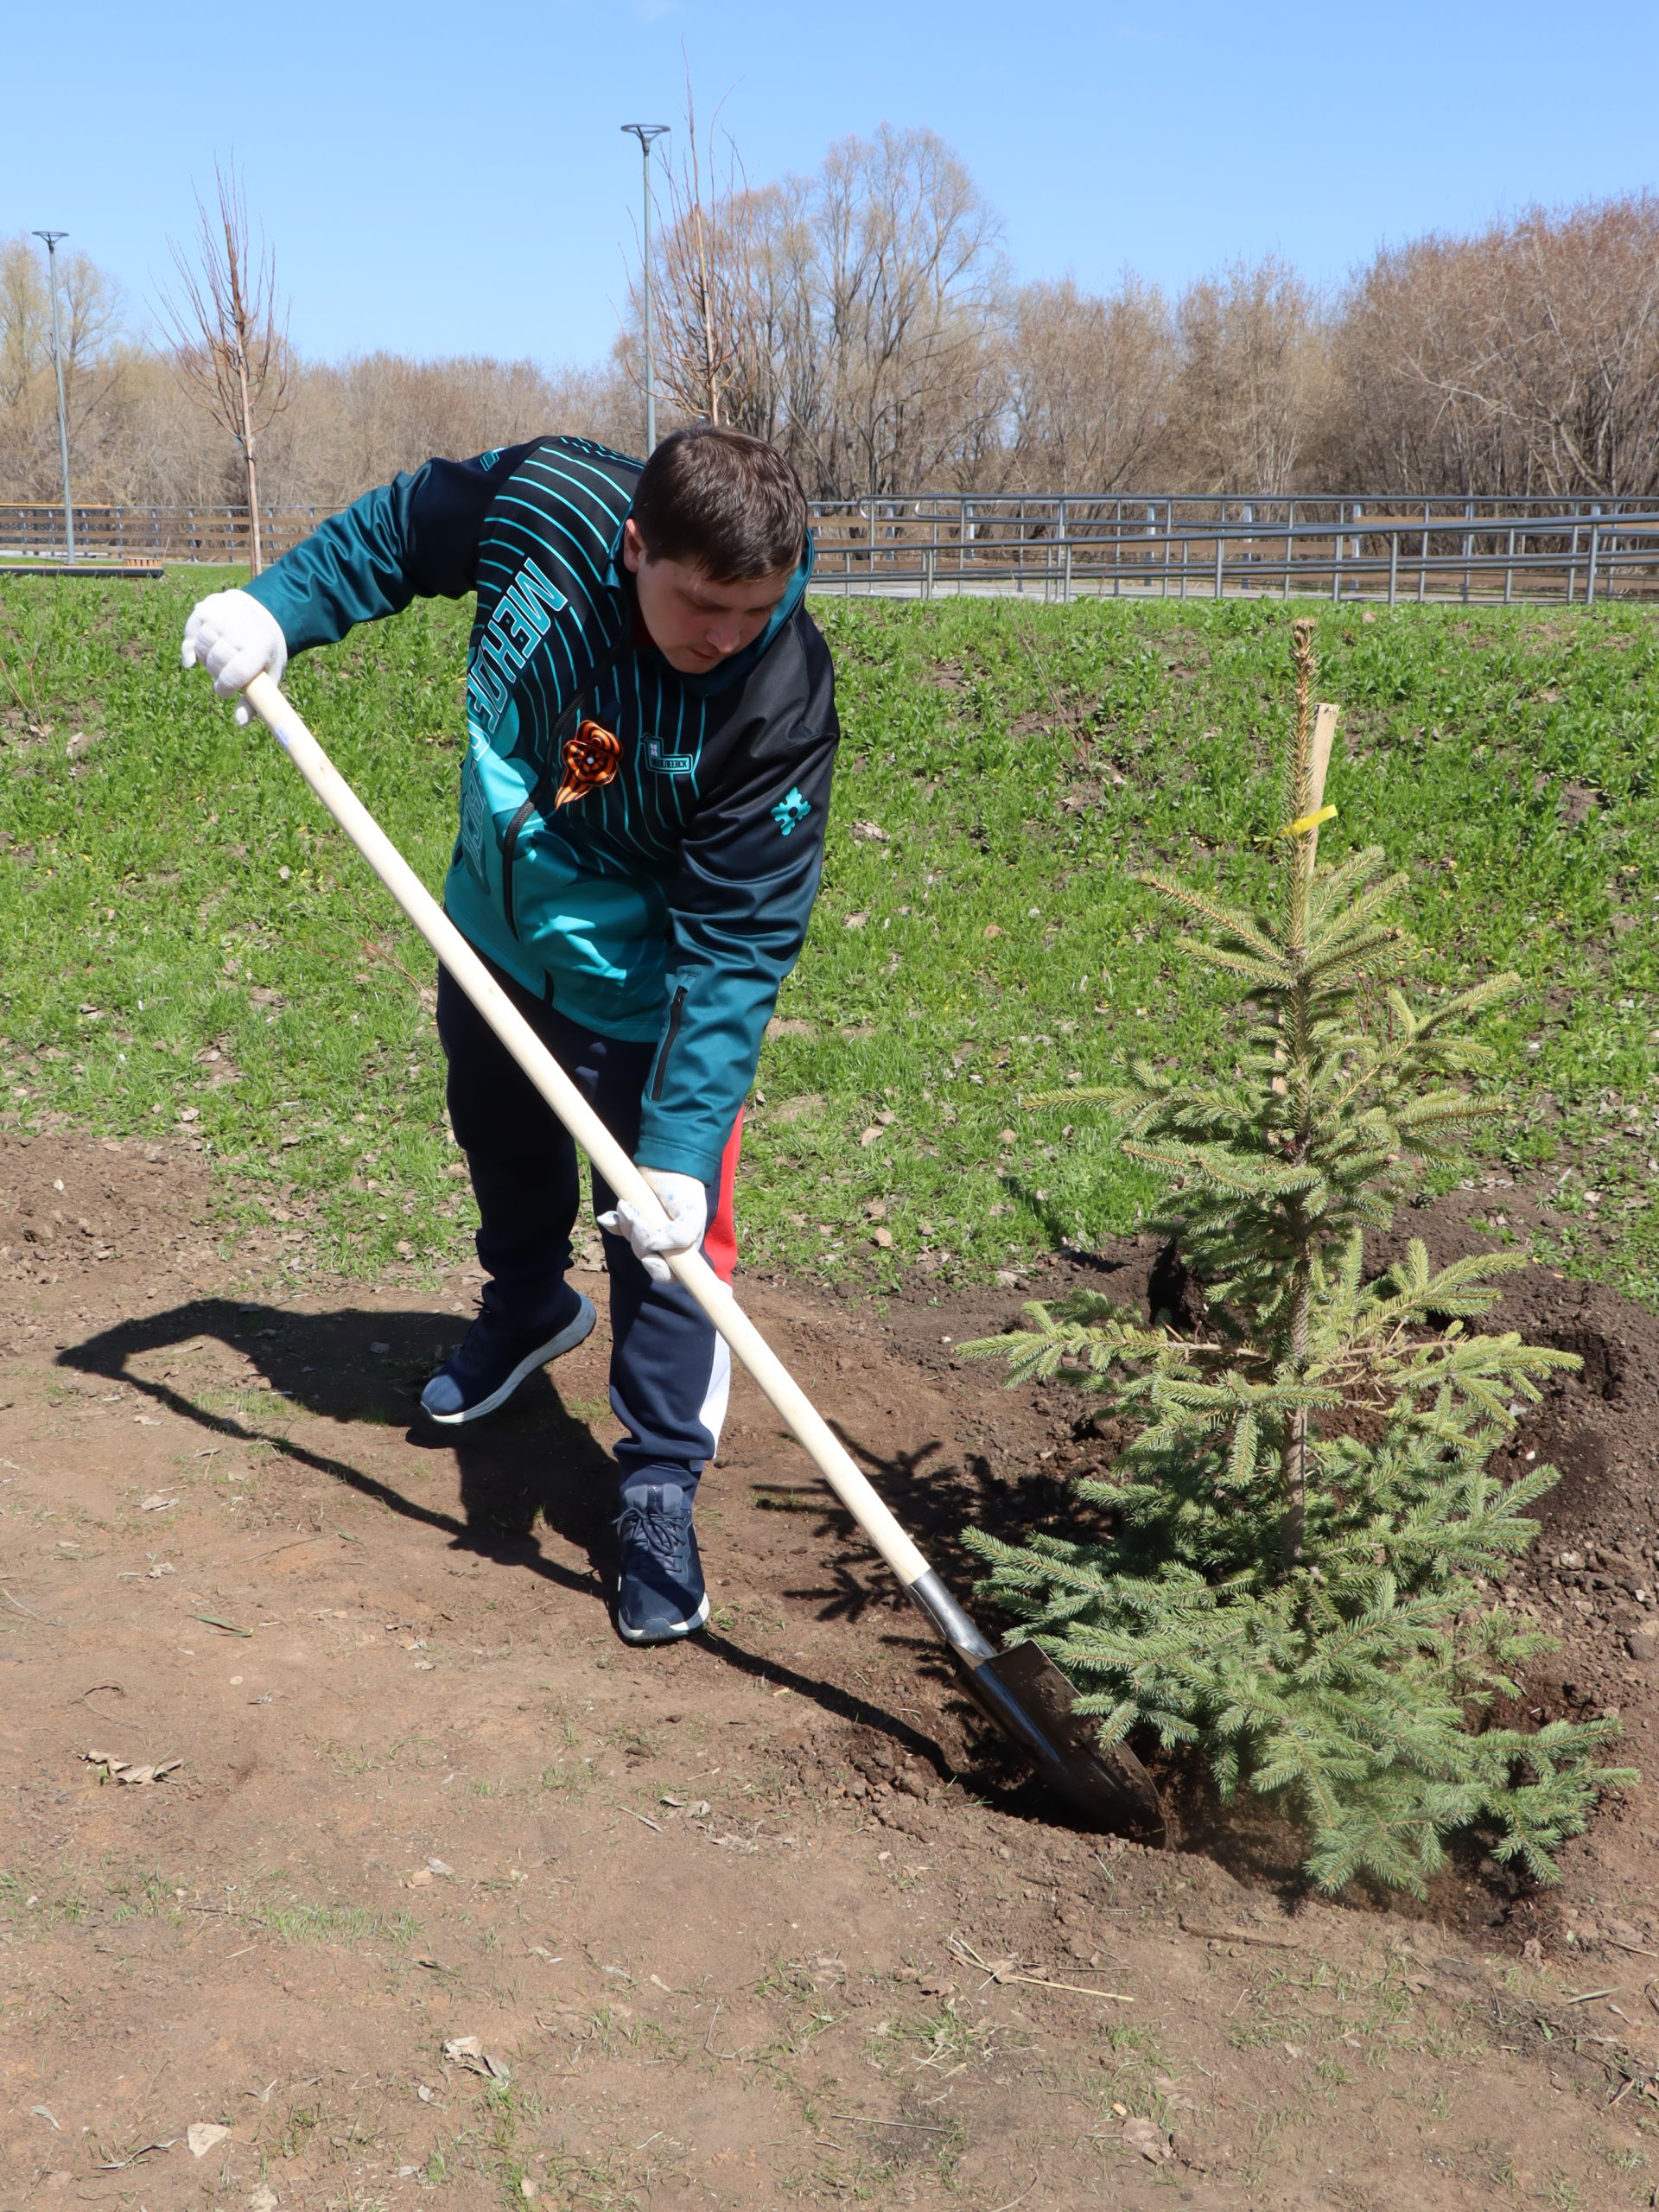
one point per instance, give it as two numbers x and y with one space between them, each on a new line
670 1372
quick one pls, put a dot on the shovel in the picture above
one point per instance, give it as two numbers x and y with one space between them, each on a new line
1019 1689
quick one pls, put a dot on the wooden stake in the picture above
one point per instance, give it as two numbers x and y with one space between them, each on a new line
1325 732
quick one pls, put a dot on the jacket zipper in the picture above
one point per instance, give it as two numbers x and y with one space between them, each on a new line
676 1009
509 851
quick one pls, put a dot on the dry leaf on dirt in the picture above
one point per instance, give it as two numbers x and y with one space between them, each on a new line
115 2165
468 2051
204 2135
116 1770
156 1504
1148 2139
262 2199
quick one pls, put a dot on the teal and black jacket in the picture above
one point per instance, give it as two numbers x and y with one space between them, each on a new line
667 904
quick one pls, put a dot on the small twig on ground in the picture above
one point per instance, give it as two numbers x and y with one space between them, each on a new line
641 1817
1585 1996
384 952
1020 2199
22 1608
1242 1935
1007 1970
271 1551
922 2126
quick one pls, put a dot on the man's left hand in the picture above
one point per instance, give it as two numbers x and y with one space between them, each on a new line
686 1204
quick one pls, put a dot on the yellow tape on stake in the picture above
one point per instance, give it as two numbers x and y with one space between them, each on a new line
1306 822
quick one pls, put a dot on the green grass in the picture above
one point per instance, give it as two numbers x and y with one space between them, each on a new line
1020 762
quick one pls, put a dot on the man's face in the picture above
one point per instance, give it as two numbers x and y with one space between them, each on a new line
695 623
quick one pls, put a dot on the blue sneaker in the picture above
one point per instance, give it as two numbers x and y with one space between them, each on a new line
494 1357
659 1593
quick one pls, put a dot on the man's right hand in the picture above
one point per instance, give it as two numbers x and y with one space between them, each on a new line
234 639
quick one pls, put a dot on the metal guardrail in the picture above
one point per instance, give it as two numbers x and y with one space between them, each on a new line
1172 546
1073 546
126 537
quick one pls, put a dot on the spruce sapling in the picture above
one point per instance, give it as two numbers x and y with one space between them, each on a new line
1289 1571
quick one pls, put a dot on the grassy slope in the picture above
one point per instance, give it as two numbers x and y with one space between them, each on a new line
1021 761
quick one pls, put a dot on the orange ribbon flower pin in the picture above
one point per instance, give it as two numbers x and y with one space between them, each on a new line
591 759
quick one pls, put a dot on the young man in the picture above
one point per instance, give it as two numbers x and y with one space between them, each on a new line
650 729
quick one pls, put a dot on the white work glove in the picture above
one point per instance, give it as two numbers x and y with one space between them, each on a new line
235 639
686 1204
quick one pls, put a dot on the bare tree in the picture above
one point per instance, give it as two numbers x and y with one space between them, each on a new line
230 350
1253 361
1524 358
93 361
1093 379
703 277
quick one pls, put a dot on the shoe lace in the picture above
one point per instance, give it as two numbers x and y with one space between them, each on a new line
664 1534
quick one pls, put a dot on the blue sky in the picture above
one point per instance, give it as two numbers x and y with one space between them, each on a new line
453 179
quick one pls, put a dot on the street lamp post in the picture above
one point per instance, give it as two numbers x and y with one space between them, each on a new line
645 133
52 238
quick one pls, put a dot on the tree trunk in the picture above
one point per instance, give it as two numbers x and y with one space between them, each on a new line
256 549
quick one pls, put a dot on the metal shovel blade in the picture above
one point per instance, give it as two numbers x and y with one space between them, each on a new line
1032 1702
1035 1707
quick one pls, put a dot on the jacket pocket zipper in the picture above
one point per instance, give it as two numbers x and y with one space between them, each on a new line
676 1009
509 853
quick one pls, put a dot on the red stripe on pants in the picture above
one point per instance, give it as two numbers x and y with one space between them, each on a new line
720 1239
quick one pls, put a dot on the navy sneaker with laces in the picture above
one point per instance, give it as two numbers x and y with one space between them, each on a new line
494 1357
659 1589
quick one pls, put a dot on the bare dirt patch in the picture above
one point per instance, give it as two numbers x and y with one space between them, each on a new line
454 1897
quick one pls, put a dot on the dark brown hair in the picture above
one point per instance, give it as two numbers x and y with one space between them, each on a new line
722 502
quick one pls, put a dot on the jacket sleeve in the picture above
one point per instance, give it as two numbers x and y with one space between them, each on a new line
416 537
739 904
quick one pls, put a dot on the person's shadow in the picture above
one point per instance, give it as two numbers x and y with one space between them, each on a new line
534 1461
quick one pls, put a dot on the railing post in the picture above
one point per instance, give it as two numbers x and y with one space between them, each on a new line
1336 557
1290 543
1221 544
1394 565
1509 572
1590 572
